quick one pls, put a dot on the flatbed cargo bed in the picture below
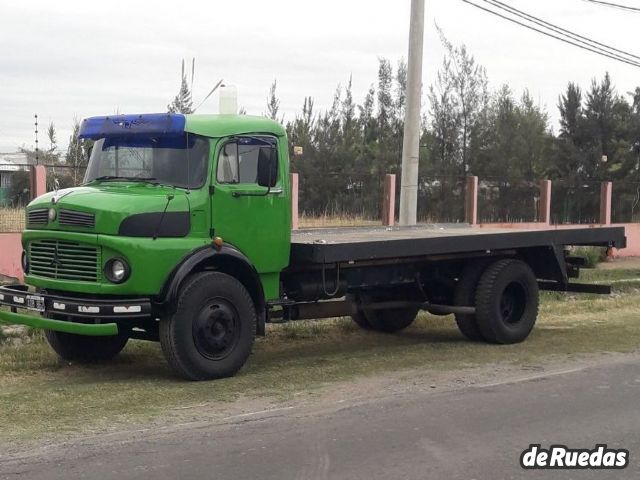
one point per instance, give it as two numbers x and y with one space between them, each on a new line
335 245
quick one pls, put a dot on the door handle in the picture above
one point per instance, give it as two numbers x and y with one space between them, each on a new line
251 193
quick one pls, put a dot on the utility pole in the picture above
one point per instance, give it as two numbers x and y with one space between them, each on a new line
36 124
411 140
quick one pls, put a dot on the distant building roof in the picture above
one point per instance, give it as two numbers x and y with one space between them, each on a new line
13 161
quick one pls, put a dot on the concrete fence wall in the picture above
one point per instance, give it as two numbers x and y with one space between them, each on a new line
632 230
10 255
10 243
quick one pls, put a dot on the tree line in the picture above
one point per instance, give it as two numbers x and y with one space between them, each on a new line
468 128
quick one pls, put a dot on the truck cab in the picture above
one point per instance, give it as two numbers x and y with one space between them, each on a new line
164 196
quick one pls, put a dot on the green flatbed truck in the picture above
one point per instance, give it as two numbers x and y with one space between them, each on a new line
181 233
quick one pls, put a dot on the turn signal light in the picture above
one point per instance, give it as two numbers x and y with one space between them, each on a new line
217 243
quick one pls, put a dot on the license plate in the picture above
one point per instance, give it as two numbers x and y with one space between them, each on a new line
35 302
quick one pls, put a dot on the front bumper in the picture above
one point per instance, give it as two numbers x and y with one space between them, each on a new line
94 317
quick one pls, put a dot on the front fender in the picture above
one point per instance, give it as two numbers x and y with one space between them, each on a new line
227 259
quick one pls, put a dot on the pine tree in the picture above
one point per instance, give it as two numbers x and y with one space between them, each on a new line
444 121
77 153
182 102
605 116
385 100
401 93
348 113
470 85
568 161
635 95
51 135
273 103
533 136
366 119
570 107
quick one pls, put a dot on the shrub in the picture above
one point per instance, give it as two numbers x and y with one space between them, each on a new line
592 255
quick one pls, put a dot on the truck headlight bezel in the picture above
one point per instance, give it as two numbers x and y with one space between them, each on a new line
117 270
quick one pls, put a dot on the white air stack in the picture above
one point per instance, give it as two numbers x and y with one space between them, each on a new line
228 100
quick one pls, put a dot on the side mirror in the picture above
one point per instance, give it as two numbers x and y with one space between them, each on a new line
267 167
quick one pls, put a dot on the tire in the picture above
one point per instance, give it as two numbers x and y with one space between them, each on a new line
212 331
359 317
389 320
85 349
465 296
507 302
361 320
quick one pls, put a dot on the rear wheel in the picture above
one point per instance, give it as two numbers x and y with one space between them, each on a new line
211 333
465 296
391 320
85 349
384 320
507 301
359 317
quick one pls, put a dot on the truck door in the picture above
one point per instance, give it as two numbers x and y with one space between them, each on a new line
254 219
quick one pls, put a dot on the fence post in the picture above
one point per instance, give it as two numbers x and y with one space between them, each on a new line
389 200
294 201
605 203
38 177
471 201
544 205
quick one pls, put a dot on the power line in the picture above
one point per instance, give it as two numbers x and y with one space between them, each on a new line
562 31
614 5
565 40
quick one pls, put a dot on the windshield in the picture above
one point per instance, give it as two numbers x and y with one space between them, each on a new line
180 161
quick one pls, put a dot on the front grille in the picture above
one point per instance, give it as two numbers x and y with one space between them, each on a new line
38 216
71 218
64 260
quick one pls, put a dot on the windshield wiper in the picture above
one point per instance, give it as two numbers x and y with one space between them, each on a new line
149 180
106 178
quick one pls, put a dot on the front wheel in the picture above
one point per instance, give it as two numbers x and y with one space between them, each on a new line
85 349
211 333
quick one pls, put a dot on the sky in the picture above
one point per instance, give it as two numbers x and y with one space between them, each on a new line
77 59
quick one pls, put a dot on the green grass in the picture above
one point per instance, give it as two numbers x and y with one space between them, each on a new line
41 396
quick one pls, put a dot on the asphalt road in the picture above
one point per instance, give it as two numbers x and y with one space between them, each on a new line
475 432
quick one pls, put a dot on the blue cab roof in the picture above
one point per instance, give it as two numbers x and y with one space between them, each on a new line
132 125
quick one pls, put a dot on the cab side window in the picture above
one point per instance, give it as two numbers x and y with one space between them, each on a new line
239 160
228 164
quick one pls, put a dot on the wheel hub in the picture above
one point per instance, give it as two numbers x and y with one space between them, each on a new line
216 329
512 303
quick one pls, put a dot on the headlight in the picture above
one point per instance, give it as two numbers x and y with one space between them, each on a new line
53 213
117 270
25 262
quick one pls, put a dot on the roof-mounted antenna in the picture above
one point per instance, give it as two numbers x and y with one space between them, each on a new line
208 95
